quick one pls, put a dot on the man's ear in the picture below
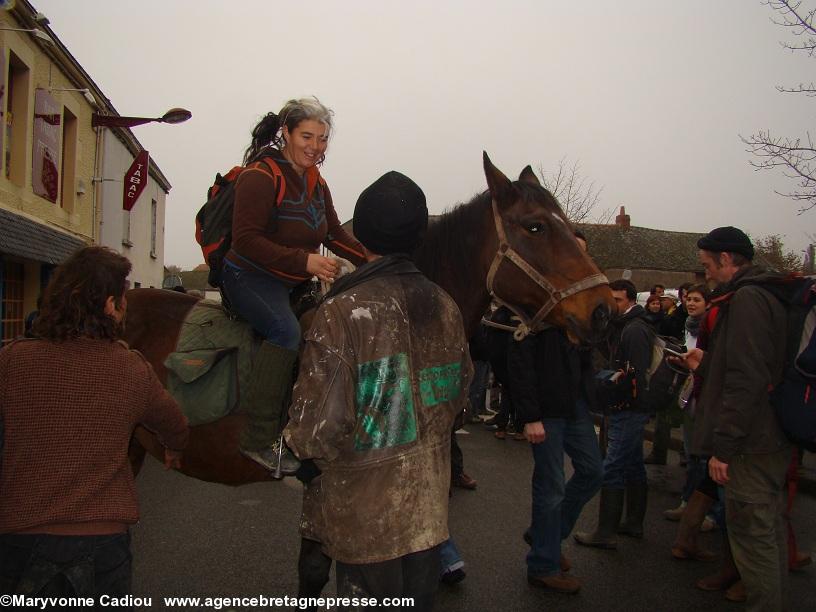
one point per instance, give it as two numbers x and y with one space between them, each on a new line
110 306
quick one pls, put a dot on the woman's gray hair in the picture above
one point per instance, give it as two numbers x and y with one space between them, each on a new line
295 111
269 130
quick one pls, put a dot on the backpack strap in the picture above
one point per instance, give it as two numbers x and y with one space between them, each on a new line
274 172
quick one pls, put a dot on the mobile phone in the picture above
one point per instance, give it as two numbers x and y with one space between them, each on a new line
673 353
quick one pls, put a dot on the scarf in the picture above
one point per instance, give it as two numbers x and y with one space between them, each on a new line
693 325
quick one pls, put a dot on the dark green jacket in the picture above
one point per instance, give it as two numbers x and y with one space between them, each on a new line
745 357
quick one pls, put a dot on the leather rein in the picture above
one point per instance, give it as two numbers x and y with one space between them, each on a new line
526 325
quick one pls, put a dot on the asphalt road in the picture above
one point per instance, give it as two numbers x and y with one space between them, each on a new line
206 540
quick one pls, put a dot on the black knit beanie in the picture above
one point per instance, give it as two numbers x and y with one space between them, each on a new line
727 240
391 215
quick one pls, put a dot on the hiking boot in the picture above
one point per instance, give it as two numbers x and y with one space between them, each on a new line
463 481
609 514
636 497
675 514
558 583
685 543
268 458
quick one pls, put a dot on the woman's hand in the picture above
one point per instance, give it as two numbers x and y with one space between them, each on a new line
323 268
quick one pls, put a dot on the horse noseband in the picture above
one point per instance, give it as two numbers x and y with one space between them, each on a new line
527 325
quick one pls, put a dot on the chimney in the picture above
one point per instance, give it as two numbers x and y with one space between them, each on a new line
623 220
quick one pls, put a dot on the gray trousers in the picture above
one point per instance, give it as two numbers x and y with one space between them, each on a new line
754 503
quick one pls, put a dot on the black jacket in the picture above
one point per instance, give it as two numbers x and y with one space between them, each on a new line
632 348
545 376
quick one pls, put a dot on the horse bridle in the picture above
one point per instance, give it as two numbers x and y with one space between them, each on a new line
527 325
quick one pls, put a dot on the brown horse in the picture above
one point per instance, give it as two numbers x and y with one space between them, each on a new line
511 243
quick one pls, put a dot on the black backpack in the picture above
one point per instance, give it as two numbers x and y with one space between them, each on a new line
794 397
214 219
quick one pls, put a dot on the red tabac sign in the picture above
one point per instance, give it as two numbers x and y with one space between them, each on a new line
135 180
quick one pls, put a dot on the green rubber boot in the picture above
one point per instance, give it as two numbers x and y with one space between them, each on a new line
266 402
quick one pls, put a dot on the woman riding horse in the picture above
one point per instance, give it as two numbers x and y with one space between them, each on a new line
274 248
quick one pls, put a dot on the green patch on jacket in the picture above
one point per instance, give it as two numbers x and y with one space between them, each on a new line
440 384
385 405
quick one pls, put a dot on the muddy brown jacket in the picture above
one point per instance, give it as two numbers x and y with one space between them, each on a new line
745 357
385 370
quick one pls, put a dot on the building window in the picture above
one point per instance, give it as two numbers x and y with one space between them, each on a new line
69 152
12 317
126 228
154 219
16 119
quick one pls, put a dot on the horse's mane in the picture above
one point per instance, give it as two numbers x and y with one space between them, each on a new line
454 235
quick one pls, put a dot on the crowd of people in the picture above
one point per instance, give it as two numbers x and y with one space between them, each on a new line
376 396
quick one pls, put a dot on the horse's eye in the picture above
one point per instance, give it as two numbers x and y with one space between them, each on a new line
534 228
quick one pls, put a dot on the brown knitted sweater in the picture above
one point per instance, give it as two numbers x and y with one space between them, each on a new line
68 410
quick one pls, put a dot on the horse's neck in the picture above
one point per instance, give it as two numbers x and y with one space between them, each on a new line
464 275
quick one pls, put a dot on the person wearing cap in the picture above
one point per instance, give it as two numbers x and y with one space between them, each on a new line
737 427
384 371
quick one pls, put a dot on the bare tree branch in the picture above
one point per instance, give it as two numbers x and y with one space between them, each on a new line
795 158
797 161
577 195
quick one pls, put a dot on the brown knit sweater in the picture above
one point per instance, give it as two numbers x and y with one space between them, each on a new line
68 411
278 239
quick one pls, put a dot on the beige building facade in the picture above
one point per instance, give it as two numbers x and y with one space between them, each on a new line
61 179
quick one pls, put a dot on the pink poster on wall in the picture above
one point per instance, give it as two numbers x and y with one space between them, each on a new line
46 157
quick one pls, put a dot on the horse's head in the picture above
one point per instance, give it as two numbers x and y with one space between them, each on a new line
540 270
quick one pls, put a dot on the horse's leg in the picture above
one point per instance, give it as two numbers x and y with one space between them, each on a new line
212 452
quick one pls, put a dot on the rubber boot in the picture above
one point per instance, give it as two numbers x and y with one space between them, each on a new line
266 403
685 543
636 497
727 574
609 515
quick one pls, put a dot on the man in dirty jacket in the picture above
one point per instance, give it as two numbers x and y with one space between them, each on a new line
384 371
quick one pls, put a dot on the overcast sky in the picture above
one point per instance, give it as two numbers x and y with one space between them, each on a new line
650 97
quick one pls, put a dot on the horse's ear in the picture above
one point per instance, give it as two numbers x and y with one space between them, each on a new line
500 186
528 176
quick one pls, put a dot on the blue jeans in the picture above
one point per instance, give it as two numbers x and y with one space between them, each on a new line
624 452
556 505
264 302
449 556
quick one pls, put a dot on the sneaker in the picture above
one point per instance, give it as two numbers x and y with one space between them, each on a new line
268 458
675 514
558 583
519 437
500 434
453 576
